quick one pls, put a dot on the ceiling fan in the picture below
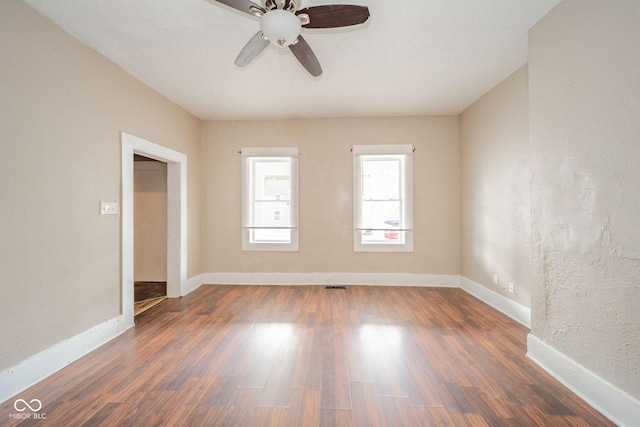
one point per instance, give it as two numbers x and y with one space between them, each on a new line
282 20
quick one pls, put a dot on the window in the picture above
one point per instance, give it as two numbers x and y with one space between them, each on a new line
383 198
270 199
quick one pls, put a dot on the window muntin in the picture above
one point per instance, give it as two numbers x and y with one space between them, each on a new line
270 199
383 198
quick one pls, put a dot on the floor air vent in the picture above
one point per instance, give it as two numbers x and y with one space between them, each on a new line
335 287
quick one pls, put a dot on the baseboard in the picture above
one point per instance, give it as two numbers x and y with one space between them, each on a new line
36 368
615 404
192 284
516 311
44 364
373 279
509 307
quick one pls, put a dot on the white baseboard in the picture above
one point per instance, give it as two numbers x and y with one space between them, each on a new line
373 279
509 307
36 368
192 284
516 311
615 404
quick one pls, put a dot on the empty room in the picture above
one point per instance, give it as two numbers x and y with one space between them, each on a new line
309 213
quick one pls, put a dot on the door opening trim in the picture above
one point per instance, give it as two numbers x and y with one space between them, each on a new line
176 219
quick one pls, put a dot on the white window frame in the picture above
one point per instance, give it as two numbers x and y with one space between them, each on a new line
362 153
249 224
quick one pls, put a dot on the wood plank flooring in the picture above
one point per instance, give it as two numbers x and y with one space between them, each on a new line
148 290
307 356
144 305
147 295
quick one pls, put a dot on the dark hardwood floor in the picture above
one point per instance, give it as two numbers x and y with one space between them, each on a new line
307 356
148 290
147 295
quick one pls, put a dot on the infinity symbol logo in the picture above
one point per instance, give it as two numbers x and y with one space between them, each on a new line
21 405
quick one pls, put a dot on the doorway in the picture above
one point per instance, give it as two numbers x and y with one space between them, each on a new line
176 220
150 232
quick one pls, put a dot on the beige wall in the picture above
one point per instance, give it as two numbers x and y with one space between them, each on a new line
63 107
326 194
150 221
61 113
585 142
494 163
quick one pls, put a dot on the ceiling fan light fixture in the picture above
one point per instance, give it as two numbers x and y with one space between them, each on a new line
280 27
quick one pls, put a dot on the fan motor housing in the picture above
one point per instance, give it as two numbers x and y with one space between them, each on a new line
290 5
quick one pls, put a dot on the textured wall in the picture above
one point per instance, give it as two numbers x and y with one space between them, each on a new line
62 108
326 194
585 142
494 164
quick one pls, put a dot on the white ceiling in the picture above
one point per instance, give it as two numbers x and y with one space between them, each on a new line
413 57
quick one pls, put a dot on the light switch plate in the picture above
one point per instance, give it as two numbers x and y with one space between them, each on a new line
108 208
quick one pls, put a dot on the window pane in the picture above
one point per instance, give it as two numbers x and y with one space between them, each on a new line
272 179
380 178
271 214
270 235
379 214
379 236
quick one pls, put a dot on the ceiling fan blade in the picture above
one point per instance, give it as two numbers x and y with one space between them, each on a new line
305 55
335 15
251 50
242 5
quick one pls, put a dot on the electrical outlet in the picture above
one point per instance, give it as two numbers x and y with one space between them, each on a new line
512 288
496 280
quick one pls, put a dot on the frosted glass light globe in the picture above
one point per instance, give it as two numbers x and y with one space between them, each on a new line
280 27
